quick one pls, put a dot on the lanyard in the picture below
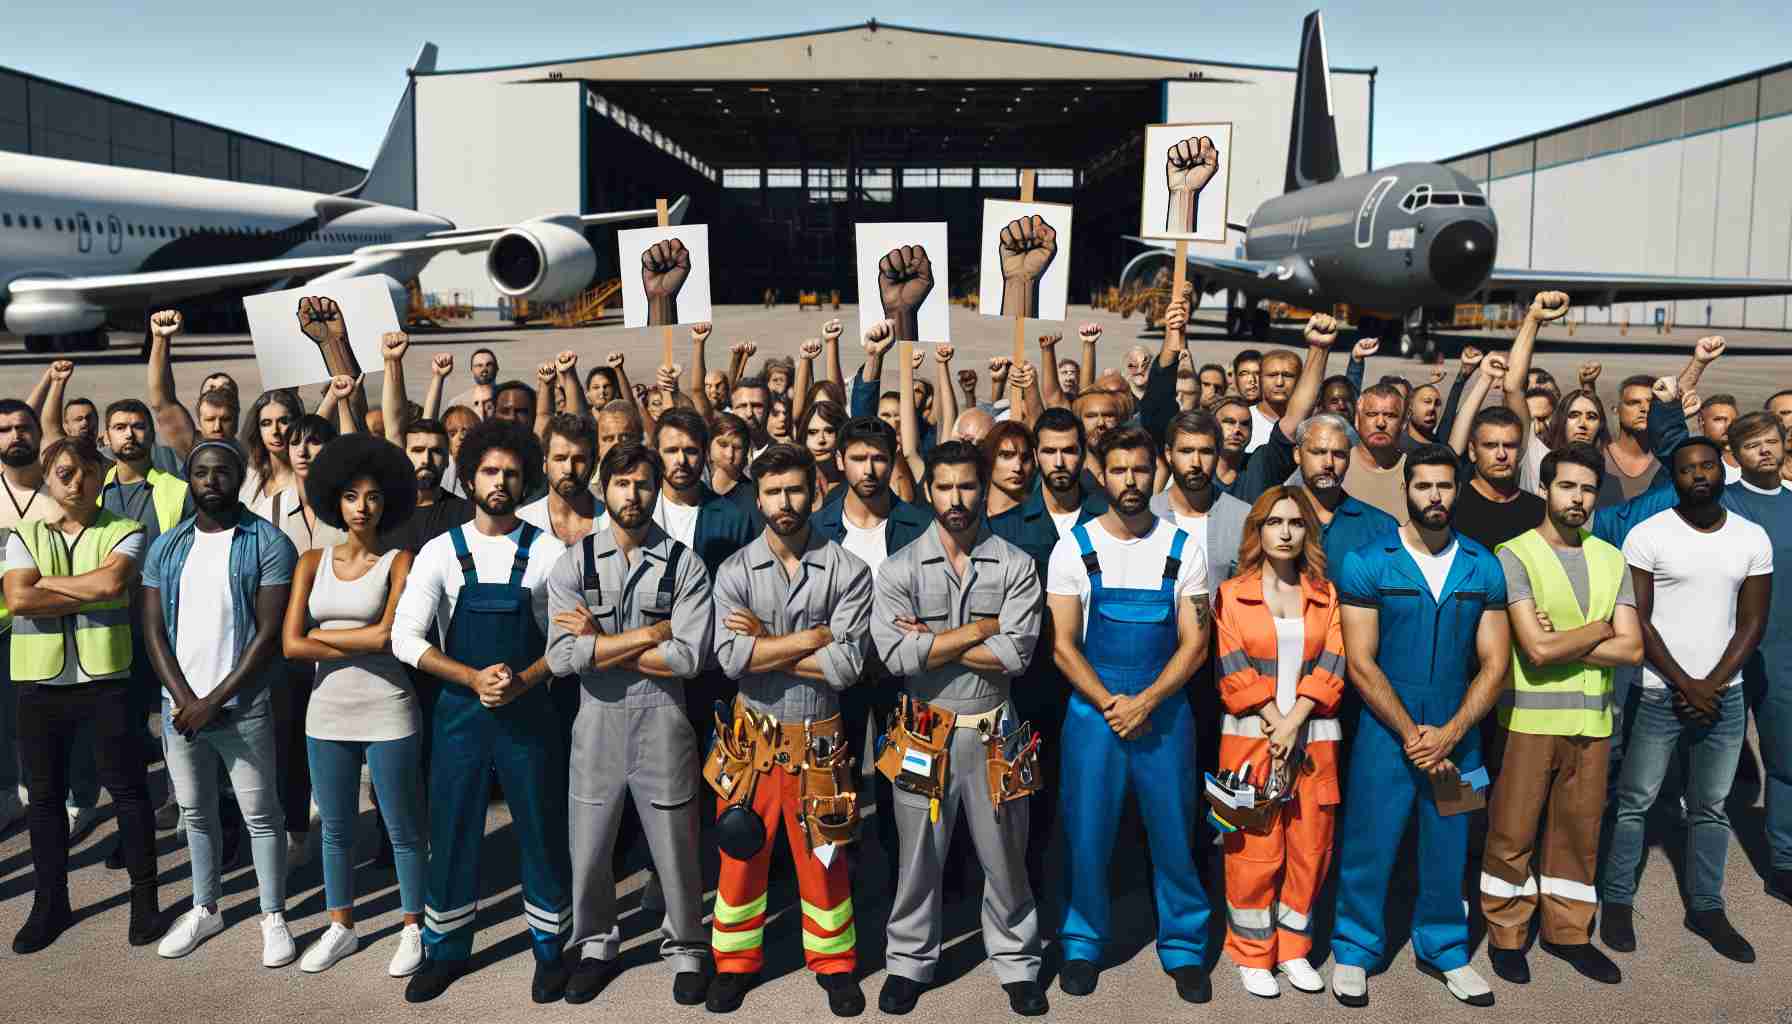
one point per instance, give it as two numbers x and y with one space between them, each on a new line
143 500
20 512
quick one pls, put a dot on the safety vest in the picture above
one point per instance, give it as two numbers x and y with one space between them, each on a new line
166 491
102 628
1572 699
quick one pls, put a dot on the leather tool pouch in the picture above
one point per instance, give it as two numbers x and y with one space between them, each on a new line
830 802
915 760
1011 780
729 768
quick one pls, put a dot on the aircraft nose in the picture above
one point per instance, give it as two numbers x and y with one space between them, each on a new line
1462 256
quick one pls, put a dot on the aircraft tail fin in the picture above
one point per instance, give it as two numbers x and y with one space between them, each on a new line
1312 134
392 177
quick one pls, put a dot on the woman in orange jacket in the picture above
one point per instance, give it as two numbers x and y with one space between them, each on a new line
1281 674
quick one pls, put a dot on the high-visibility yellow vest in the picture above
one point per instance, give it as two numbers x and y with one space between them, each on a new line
102 628
166 491
1572 699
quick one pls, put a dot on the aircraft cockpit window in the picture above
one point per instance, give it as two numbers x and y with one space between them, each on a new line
1473 199
1447 199
1417 199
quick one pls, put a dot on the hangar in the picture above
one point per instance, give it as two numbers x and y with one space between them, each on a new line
785 142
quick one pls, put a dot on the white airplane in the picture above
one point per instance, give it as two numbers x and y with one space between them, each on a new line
78 240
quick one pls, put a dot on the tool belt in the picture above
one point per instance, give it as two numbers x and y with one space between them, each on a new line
749 744
1237 800
914 753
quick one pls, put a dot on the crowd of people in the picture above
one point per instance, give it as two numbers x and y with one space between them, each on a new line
1293 616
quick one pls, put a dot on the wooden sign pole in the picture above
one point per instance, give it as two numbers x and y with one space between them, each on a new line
1020 320
666 351
1179 276
905 371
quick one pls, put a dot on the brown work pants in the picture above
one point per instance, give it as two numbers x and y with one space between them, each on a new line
1566 773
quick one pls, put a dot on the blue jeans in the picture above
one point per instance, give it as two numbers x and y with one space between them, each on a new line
1770 696
1713 751
242 738
336 786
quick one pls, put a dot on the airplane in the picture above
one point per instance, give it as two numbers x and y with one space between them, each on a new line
79 241
1405 243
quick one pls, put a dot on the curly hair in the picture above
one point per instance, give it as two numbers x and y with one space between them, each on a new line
500 435
346 459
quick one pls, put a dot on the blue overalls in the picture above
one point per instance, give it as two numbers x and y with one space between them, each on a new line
1427 653
495 622
1129 636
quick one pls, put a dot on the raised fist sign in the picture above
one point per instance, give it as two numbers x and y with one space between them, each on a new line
320 319
665 265
545 374
904 280
62 370
943 353
1322 330
1548 306
1027 246
166 324
1588 375
1188 167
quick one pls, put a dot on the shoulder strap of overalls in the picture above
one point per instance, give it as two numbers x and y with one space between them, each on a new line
523 542
1091 560
469 572
669 575
1173 561
590 546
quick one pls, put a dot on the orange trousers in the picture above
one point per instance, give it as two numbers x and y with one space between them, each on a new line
1273 878
737 939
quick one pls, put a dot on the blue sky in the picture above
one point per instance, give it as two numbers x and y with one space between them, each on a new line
323 75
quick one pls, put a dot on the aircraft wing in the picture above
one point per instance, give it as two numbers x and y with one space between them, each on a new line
674 215
1594 289
1215 272
121 290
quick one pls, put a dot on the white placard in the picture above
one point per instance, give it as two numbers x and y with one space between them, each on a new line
293 329
658 255
1024 244
1186 177
917 255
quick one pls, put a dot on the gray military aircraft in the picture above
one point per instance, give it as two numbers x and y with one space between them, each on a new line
1404 244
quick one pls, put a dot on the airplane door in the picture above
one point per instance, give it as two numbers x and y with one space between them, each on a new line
114 234
84 240
1365 215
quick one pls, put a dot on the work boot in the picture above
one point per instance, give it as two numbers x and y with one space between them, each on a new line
1585 958
899 995
688 988
588 979
1027 998
1617 927
1779 884
146 915
1715 928
1192 984
549 985
1078 977
1510 965
432 979
50 917
845 998
115 857
727 991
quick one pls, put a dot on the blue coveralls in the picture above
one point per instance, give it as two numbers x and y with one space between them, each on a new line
1130 635
1426 650
495 622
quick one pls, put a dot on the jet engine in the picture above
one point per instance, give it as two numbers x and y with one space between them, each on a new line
32 314
545 260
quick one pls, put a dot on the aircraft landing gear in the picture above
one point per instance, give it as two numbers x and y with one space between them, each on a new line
96 340
1259 325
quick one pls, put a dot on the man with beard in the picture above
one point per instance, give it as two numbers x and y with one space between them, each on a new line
25 499
1233 414
1141 590
711 525
1213 384
1704 578
1492 508
1421 607
1099 411
485 377
791 611
514 402
751 401
632 624
1213 519
568 511
426 444
1375 464
957 615
482 589
1572 608
1070 495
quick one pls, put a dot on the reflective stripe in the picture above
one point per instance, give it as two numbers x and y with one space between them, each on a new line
547 921
1236 661
829 920
734 942
1250 922
1580 892
1556 700
1291 919
453 920
1493 885
1329 661
1251 727
101 618
728 913
829 945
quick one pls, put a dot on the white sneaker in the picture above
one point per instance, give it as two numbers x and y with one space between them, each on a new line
1301 975
333 945
194 927
276 941
168 815
409 956
81 821
1259 982
1350 984
1467 985
11 809
298 852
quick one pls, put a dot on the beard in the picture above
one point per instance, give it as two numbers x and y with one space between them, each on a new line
957 519
213 503
498 502
629 517
1695 495
1323 481
868 486
1194 478
19 455
568 486
1131 501
1431 517
681 476
428 477
788 524
1059 480
1569 518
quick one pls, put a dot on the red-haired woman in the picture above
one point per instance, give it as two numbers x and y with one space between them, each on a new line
1281 674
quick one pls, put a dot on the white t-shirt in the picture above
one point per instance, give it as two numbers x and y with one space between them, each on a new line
205 637
679 521
1195 525
1261 425
1291 638
869 545
1065 520
536 514
1134 564
1435 568
1697 577
1732 474
18 556
435 582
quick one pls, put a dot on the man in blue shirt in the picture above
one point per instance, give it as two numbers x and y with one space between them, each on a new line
1421 606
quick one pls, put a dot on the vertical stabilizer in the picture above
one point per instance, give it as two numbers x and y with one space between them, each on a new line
392 178
1312 134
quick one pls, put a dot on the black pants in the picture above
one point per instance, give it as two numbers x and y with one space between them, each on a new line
49 717
1041 696
291 699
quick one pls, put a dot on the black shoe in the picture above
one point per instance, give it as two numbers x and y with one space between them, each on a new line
1510 964
1077 978
1716 929
1617 927
432 979
845 998
549 985
146 915
50 917
115 858
589 978
688 988
1585 958
1192 984
1779 884
899 995
1026 998
727 990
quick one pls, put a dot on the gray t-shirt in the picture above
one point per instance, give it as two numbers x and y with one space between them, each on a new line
1574 563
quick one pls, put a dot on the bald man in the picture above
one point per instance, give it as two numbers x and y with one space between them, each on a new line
972 425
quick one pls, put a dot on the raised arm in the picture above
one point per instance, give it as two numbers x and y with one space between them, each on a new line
1491 367
174 425
544 400
39 392
1358 365
830 340
51 416
869 382
1086 372
342 393
440 367
1705 352
566 369
700 371
806 353
1446 421
395 407
1545 308
739 353
945 399
1321 333
1026 404
1051 392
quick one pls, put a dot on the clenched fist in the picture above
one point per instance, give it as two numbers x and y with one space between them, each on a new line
832 330
1322 330
1666 389
999 367
1027 247
967 382
700 333
879 337
1548 306
320 319
904 280
1175 318
943 354
545 374
341 386
1364 348
614 360
1188 167
1089 332
61 370
1023 376
1471 358
665 265
1494 368
393 345
1589 374
442 365
566 362
810 349
166 324
1689 404
1708 349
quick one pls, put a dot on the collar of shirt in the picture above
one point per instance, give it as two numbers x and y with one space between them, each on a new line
931 550
656 545
815 558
